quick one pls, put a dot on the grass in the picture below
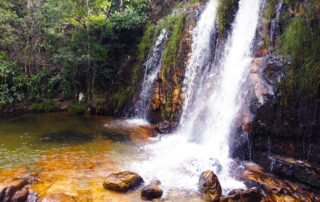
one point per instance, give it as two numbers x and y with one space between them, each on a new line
300 41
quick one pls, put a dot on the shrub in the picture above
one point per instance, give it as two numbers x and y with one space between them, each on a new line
44 106
77 109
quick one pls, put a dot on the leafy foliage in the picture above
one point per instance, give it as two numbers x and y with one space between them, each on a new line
61 48
12 83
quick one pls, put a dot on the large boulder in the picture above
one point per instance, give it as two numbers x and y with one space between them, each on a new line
209 186
151 191
240 195
122 181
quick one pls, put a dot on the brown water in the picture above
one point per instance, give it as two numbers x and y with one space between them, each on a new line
23 138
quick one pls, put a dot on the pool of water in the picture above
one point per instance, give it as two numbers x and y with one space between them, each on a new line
24 138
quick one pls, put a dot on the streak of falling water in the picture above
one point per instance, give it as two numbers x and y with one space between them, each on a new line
275 23
201 142
152 67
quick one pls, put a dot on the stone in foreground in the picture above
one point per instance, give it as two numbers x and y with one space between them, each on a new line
209 186
122 181
240 195
151 191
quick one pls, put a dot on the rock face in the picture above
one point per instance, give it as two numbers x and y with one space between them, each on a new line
240 195
122 181
209 186
151 191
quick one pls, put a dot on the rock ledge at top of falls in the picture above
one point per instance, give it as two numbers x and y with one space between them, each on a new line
151 191
122 181
209 186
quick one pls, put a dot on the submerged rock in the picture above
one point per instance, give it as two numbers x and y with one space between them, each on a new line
240 195
66 136
151 191
122 181
209 186
58 197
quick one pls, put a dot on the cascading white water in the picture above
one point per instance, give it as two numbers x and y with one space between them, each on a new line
201 142
275 23
152 67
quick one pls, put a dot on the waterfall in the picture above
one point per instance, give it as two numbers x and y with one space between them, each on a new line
213 99
275 23
152 67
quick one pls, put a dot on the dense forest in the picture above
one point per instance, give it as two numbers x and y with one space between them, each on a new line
57 49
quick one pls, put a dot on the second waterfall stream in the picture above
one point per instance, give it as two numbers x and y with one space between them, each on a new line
213 92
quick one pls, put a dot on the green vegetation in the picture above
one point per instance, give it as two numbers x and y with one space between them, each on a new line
45 106
176 23
225 14
12 83
301 42
57 49
77 109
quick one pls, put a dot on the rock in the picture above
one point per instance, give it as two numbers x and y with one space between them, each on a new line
151 191
122 181
296 170
209 186
20 196
165 127
7 189
240 195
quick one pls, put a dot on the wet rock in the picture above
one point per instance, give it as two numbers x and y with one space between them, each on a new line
274 188
20 196
209 186
151 191
296 170
165 127
7 189
240 195
122 181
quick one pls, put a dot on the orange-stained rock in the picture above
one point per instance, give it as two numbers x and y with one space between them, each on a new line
10 174
209 186
240 195
122 181
275 189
